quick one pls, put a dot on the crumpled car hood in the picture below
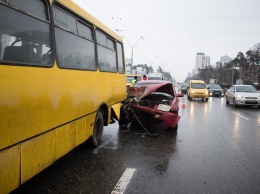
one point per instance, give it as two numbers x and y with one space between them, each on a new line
141 92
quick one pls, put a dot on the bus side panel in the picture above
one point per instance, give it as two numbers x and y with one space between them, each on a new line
34 100
85 130
36 155
111 88
65 139
9 169
73 134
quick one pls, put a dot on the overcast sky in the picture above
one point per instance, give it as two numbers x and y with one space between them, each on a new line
175 30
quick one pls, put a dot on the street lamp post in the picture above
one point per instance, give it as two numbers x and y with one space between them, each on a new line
132 47
153 60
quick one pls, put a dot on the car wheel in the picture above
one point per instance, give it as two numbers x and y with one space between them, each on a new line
206 99
234 102
98 130
227 102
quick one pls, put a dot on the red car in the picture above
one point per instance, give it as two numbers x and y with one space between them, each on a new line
151 102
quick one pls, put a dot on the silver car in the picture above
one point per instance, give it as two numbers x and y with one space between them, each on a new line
243 95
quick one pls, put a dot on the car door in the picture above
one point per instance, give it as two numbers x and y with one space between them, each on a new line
231 94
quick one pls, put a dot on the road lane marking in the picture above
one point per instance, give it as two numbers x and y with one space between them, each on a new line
123 181
241 116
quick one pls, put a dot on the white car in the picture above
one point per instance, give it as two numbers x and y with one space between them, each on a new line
245 95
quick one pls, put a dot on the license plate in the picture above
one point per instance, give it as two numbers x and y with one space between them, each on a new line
164 107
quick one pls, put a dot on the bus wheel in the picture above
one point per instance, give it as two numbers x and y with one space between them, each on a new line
98 130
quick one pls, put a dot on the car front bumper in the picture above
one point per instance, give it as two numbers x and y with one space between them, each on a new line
216 93
198 95
168 119
248 102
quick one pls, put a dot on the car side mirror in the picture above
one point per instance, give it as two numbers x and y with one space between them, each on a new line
188 87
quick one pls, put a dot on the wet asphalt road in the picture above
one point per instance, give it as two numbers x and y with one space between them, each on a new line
215 150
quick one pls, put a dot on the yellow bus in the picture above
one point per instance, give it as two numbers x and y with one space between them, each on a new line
62 78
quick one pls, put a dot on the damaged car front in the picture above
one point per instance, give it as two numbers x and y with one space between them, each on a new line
152 102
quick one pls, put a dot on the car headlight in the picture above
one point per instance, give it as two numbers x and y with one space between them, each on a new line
239 96
192 92
206 92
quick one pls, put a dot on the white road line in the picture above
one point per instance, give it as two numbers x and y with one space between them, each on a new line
241 116
123 181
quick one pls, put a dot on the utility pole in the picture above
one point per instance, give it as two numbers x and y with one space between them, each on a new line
132 47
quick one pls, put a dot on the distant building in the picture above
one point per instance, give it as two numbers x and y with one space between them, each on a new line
201 61
128 66
128 61
225 59
193 72
128 69
218 64
189 74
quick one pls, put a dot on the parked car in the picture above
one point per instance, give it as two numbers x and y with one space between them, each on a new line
197 89
152 102
215 90
184 88
245 95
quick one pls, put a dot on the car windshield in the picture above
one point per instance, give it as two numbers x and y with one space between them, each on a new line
198 86
214 87
246 89
184 86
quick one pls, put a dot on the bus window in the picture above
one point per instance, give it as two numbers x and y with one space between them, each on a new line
110 44
64 20
23 44
106 59
106 53
73 51
38 8
120 58
101 38
85 31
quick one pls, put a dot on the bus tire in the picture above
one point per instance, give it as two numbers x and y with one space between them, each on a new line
98 130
